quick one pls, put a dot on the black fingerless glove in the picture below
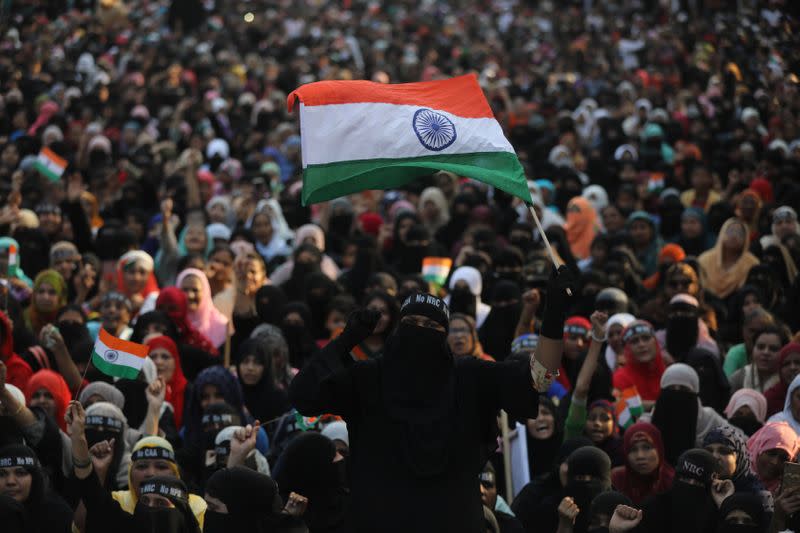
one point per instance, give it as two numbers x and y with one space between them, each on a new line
359 326
557 302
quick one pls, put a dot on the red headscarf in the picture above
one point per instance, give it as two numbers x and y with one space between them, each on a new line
56 386
18 371
636 486
646 377
574 324
176 386
776 395
172 301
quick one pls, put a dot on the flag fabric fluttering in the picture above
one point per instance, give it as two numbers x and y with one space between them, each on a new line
50 164
629 407
358 135
436 269
118 358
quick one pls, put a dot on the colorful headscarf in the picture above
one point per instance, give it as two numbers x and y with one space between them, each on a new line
636 486
581 226
736 441
774 435
777 394
176 386
717 280
172 301
646 377
207 318
35 319
134 258
752 399
56 386
786 415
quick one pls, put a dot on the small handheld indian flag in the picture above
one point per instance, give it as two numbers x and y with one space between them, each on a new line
118 358
629 407
12 260
436 269
358 135
50 164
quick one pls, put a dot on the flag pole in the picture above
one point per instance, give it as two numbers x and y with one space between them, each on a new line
226 358
80 383
556 262
506 438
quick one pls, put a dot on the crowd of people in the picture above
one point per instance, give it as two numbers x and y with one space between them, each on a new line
150 185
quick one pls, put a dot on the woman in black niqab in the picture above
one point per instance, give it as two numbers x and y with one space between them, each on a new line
308 467
498 329
715 391
252 500
296 328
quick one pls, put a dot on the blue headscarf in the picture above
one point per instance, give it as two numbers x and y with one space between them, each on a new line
231 392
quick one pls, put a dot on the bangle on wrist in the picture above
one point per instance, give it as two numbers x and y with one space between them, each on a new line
604 338
81 464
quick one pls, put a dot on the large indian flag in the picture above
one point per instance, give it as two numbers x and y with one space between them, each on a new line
358 135
118 358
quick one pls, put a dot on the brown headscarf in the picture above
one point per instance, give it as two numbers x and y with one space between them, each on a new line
720 281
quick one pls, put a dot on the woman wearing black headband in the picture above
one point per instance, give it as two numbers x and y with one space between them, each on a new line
162 504
23 480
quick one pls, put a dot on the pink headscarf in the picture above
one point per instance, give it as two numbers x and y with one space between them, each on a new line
207 319
46 112
775 435
752 399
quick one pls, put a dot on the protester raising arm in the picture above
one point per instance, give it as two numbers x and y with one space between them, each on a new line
155 393
101 508
530 304
550 348
576 419
51 339
324 384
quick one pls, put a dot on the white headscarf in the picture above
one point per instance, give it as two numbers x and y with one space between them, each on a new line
621 319
472 277
786 414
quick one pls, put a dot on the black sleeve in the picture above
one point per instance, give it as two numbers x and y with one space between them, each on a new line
167 424
81 231
103 512
325 384
508 386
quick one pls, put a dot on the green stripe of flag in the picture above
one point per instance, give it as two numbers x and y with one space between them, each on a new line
110 369
45 170
332 180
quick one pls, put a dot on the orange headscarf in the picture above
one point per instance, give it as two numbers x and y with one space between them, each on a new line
95 220
670 253
581 226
